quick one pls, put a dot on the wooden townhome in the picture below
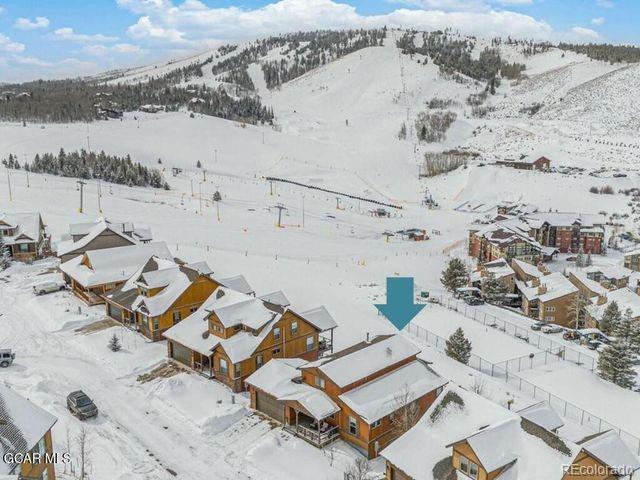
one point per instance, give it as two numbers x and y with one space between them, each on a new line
367 394
233 334
96 272
24 235
159 295
26 446
465 436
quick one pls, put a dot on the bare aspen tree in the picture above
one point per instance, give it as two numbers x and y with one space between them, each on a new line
406 412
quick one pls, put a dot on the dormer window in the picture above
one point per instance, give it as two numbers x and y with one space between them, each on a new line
468 467
144 292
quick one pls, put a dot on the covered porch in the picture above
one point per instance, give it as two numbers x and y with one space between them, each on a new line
317 432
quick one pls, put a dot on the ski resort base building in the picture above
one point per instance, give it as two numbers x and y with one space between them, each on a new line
25 433
233 334
367 394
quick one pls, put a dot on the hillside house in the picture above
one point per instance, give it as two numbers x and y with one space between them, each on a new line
103 233
358 394
24 235
632 260
548 298
498 269
25 428
233 334
465 436
159 295
96 272
528 162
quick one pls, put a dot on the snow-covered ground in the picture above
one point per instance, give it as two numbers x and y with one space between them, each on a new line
337 129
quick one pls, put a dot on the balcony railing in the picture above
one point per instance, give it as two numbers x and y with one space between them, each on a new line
319 439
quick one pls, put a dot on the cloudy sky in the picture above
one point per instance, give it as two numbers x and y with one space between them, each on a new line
53 38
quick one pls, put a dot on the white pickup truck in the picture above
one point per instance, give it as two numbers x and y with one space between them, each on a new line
49 287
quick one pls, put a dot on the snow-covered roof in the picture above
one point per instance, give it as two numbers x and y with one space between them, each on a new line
364 359
69 246
610 272
557 286
320 318
609 448
384 395
624 297
111 265
238 283
276 378
276 298
591 285
528 268
24 424
499 268
543 415
27 227
632 253
235 308
495 434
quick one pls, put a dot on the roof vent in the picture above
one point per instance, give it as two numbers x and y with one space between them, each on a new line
389 351
220 293
297 380
205 334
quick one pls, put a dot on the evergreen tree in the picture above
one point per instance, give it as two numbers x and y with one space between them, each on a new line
628 330
493 289
610 318
199 164
114 344
615 363
5 259
458 347
455 275
580 258
216 196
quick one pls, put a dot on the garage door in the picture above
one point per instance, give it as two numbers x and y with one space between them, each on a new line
270 406
114 312
181 353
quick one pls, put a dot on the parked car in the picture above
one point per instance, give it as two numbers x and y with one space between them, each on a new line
49 287
6 357
570 335
80 405
551 328
511 300
595 345
464 292
473 300
538 326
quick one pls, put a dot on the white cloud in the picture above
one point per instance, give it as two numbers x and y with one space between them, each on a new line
8 45
30 61
119 48
28 24
68 34
597 21
515 2
582 33
605 3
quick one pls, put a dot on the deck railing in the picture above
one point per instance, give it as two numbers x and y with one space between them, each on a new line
319 439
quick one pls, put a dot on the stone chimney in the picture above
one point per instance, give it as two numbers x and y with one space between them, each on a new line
535 282
542 289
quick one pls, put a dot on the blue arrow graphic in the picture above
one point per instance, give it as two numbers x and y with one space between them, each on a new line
399 308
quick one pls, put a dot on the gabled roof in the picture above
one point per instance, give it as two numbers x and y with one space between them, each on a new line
238 283
384 395
24 424
27 227
609 448
277 298
528 268
364 359
557 286
112 264
543 415
69 246
624 297
235 308
276 379
320 318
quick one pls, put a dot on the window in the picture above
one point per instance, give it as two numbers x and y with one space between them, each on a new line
310 343
23 247
320 382
224 368
353 426
468 467
156 324
550 309
294 328
276 333
237 370
259 361
177 316
193 309
276 351
376 424
549 319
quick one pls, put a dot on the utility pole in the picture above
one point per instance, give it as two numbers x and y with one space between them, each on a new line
192 195
99 196
204 175
9 182
271 187
337 203
81 185
280 208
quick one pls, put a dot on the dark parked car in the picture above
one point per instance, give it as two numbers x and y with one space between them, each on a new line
473 301
80 405
6 357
